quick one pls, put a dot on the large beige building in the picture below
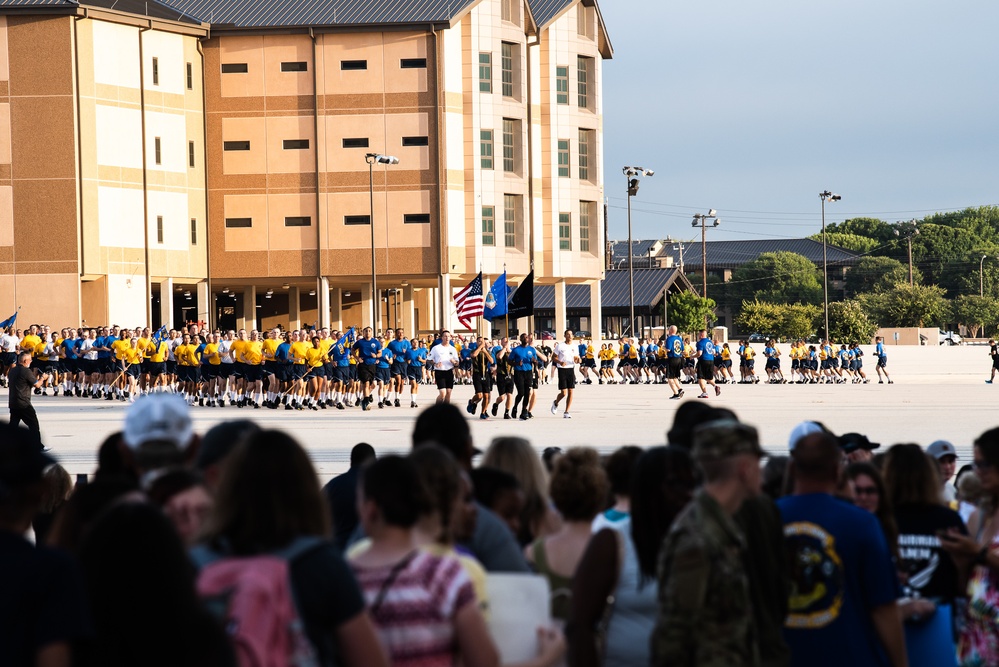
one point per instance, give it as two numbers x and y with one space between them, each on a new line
198 160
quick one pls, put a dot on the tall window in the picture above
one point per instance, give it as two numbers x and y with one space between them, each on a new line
506 10
190 154
509 154
563 158
583 148
486 148
190 76
564 233
158 150
488 225
561 85
159 229
511 216
194 231
584 21
585 209
156 71
506 64
485 72
584 72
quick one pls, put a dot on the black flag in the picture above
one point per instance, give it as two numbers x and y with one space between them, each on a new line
522 301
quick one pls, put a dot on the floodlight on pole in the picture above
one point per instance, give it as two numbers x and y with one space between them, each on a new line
632 175
372 159
825 196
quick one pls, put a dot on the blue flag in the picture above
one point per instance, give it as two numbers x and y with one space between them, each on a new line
9 322
496 300
347 337
158 336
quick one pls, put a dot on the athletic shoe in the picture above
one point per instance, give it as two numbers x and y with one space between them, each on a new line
340 406
381 404
881 381
523 416
470 407
717 390
530 415
680 395
412 404
554 407
506 415
513 412
891 382
566 416
703 396
397 404
483 416
287 406
256 406
674 397
495 408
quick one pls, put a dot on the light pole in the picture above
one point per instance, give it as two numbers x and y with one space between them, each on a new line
825 196
631 174
372 159
981 276
701 220
908 229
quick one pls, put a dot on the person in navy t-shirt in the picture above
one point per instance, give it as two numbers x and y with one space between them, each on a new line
706 365
368 351
882 356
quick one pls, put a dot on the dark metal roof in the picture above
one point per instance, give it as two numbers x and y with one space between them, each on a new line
614 292
276 13
733 254
546 10
151 8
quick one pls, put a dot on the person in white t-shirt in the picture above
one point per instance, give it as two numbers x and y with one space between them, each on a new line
444 359
566 357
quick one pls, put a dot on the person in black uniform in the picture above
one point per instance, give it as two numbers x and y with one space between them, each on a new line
22 380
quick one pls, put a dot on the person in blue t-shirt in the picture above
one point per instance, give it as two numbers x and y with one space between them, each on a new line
383 375
417 358
400 348
882 367
844 588
522 358
706 365
674 361
368 351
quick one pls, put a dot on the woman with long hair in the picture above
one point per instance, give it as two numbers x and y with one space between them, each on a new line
867 489
517 457
269 498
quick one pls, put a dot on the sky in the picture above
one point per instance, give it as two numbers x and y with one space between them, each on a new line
753 108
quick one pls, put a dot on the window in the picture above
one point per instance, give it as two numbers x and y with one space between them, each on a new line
156 71
561 85
158 150
511 216
235 68
353 64
416 219
190 76
357 142
415 141
584 68
563 158
190 154
584 21
486 148
235 145
488 225
564 239
586 141
509 157
506 10
296 144
238 222
159 229
357 219
194 231
506 67
485 72
585 209
296 66
297 221
413 63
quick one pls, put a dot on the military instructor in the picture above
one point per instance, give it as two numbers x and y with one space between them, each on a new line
22 381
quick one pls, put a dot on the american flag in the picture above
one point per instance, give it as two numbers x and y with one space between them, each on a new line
469 302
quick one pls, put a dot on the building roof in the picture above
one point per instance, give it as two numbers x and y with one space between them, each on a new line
156 9
277 13
614 290
733 254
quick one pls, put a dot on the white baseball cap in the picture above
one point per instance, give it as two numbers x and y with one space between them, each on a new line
163 417
800 431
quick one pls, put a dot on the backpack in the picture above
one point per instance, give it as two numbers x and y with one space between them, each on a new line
252 596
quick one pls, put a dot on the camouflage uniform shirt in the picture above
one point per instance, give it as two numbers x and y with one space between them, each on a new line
705 612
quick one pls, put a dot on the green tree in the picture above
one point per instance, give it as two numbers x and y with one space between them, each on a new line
849 323
905 306
872 228
776 277
975 312
878 274
853 242
760 316
688 311
787 321
798 320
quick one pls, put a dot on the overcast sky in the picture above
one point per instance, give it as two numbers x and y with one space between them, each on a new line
753 108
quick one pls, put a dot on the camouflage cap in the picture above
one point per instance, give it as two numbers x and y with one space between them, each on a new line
724 438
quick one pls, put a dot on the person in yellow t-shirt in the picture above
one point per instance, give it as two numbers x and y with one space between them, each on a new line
131 357
155 358
314 379
31 339
269 366
253 357
239 370
211 360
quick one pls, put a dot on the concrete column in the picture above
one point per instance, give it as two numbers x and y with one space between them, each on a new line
203 304
294 308
408 307
249 319
596 312
336 309
433 308
367 307
323 300
446 303
561 319
166 302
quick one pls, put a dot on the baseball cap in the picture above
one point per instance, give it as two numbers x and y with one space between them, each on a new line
22 460
158 417
800 431
851 442
940 449
723 438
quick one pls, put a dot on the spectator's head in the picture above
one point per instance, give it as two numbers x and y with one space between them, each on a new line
548 457
361 453
391 495
22 481
183 497
969 489
444 425
620 467
688 417
88 502
910 477
268 496
216 446
110 459
662 485
516 456
857 446
816 461
58 486
158 433
987 462
867 486
500 492
945 454
441 477
729 453
579 485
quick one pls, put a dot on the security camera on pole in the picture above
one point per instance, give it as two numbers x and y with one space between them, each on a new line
632 174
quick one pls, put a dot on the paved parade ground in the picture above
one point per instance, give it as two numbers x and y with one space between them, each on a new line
939 392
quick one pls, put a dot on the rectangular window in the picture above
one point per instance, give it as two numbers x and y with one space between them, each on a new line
158 150
506 66
488 225
159 229
564 226
509 154
297 221
415 141
235 145
295 66
584 21
561 85
357 219
353 64
190 154
584 69
156 71
506 10
486 148
190 76
296 144
511 215
413 63
585 208
416 219
235 68
194 231
563 158
485 72
356 142
586 140
238 222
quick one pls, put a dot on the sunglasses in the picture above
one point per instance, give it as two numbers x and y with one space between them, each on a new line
982 466
865 490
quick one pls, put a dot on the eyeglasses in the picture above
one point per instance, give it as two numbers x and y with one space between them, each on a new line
865 490
982 466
